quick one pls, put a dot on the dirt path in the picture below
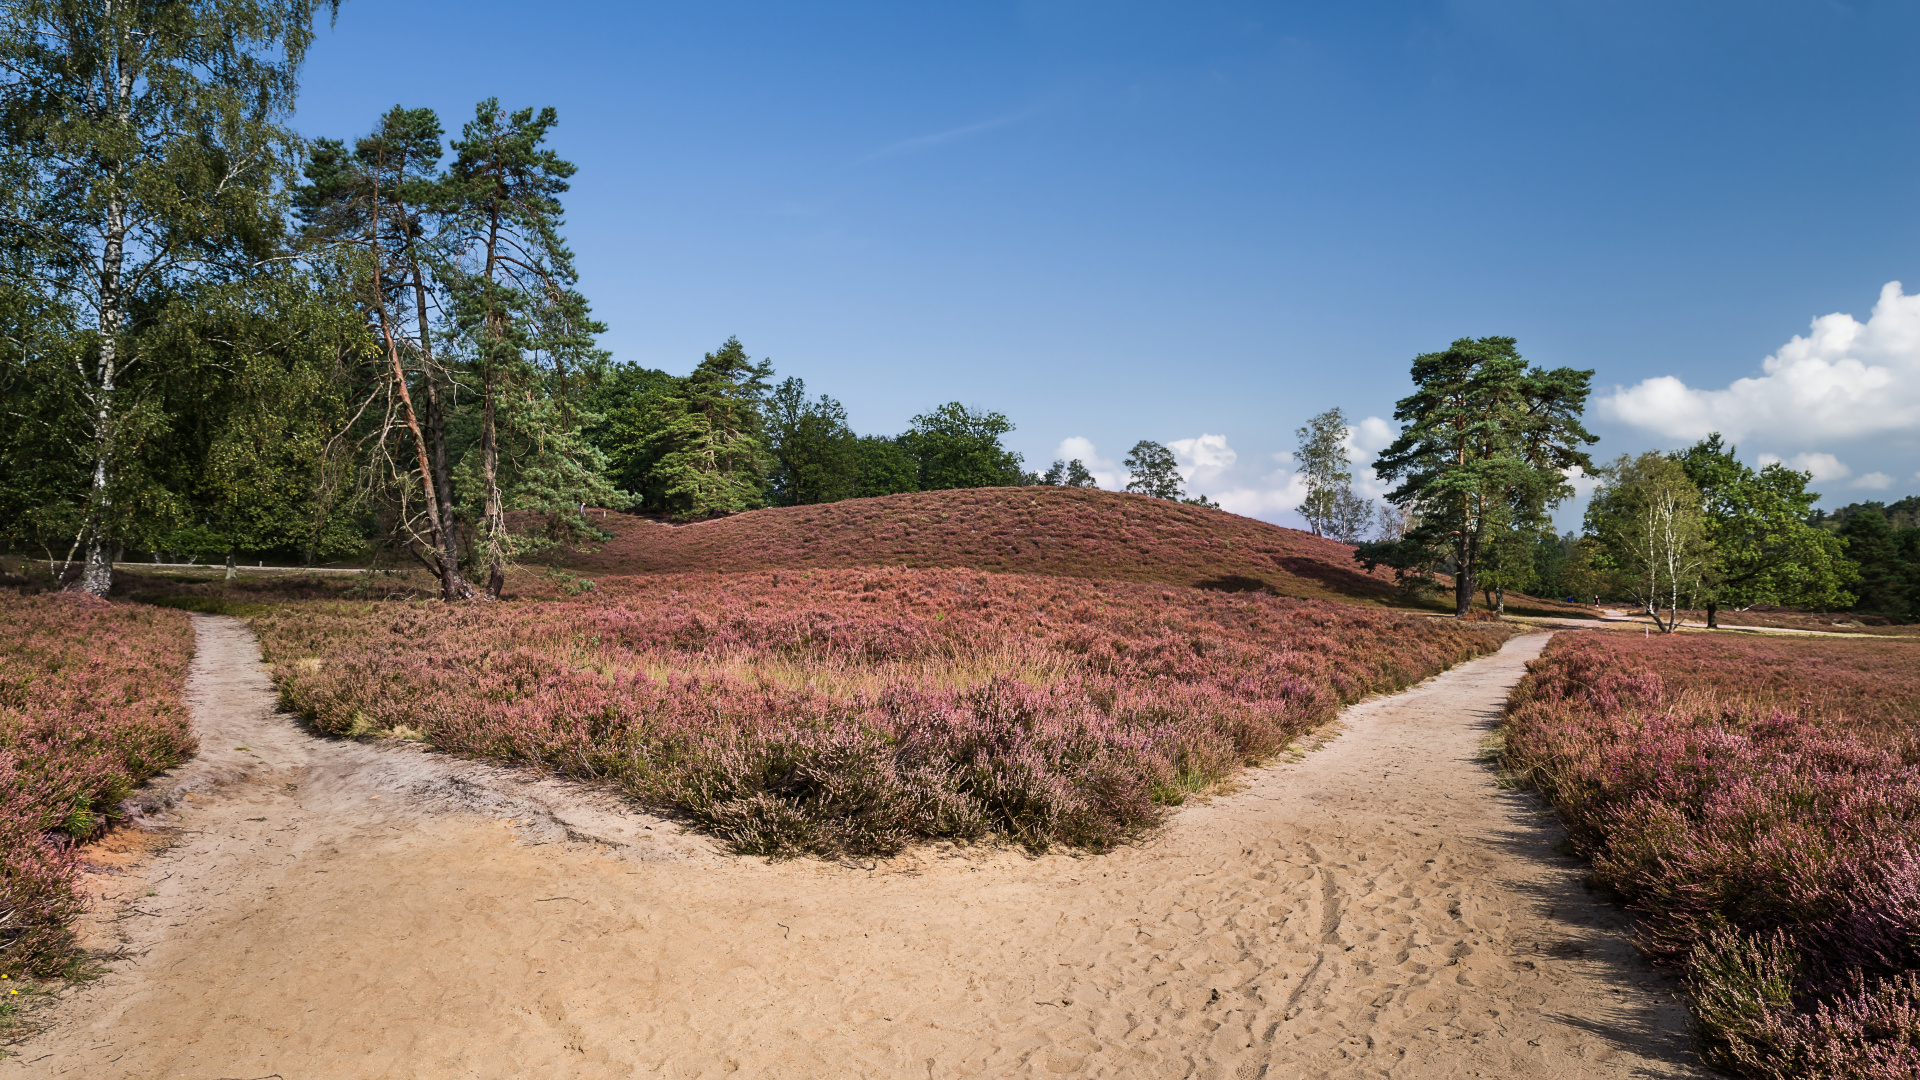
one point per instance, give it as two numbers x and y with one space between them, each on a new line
338 910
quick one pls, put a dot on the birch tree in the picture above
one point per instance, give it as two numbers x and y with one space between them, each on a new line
1648 517
1327 468
148 134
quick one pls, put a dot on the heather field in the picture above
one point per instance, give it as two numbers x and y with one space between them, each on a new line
1064 532
858 710
1756 800
90 705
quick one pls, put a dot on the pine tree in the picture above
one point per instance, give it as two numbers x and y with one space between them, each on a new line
708 436
1485 445
527 330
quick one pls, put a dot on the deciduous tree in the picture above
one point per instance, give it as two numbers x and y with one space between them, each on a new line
816 456
1648 518
1072 473
957 447
147 139
1766 548
1326 466
1153 470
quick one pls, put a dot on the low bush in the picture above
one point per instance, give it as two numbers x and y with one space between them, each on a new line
90 705
854 711
1756 800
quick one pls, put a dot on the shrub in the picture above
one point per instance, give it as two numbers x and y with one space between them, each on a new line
90 705
1756 801
855 711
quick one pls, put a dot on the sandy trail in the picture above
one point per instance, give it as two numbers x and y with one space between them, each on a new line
336 910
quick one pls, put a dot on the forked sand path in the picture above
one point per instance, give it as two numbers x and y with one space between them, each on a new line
336 910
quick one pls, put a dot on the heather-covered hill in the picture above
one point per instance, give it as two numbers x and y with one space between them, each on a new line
1070 532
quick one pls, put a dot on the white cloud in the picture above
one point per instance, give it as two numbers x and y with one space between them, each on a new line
1843 379
1276 493
1875 481
1203 456
940 138
1284 457
1370 436
1824 467
1583 484
1106 472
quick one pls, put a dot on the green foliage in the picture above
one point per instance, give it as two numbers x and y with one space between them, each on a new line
621 404
1323 460
1152 470
707 437
1766 550
143 154
956 447
526 331
1651 526
1485 445
1068 474
816 456
1889 564
885 467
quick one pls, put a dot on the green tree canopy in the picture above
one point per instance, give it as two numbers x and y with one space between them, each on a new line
1888 561
957 447
527 330
1648 518
816 456
1068 474
1324 463
1766 550
1486 443
147 152
1153 470
885 467
707 437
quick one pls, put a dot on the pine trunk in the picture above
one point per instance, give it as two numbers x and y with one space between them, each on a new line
496 527
452 585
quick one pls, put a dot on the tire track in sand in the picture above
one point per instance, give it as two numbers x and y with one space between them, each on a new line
336 910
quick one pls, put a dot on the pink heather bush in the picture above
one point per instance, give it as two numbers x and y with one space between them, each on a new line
1756 800
90 705
854 711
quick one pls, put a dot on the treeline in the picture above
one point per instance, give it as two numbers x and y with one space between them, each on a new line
726 439
218 339
1486 450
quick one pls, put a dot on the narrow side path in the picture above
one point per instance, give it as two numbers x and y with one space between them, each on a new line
1380 908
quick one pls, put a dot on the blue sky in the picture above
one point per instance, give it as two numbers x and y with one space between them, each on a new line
1202 223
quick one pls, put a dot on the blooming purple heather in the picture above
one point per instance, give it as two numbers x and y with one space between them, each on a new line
90 705
857 710
1756 800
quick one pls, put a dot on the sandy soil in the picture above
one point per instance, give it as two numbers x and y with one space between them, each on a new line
332 910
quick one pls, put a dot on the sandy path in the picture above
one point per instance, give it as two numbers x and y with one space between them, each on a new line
339 910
